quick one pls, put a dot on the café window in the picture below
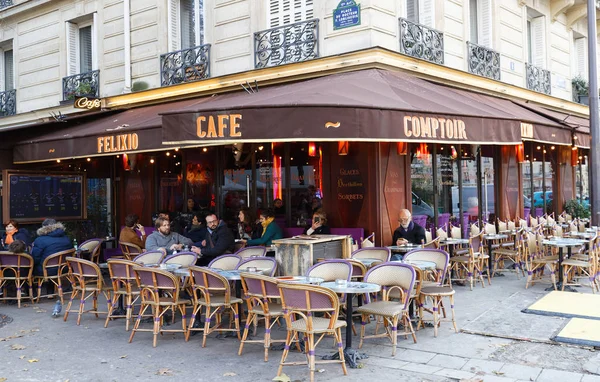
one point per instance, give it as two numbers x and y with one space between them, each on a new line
81 46
170 173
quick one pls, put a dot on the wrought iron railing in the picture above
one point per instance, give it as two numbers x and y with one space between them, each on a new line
483 61
81 85
8 103
422 42
186 65
290 43
5 3
538 79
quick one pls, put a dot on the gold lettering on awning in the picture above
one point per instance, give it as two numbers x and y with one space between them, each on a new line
226 125
526 130
431 127
117 143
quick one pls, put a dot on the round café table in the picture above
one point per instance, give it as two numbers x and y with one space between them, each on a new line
350 289
451 243
561 243
300 279
404 248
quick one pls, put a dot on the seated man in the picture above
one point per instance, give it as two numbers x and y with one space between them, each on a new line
51 239
164 240
219 240
128 233
409 231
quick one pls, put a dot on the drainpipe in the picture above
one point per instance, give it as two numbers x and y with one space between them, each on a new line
127 45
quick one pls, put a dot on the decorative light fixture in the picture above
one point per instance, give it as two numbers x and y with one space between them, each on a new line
151 159
168 153
343 147
89 159
312 149
402 148
204 149
58 161
176 149
521 153
574 156
453 153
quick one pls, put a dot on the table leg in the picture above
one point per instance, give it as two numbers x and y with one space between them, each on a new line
491 259
238 288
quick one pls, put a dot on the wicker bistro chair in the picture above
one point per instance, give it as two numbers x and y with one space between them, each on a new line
87 281
150 257
437 256
185 259
212 292
380 253
124 286
94 246
395 279
260 291
331 270
536 260
268 264
54 270
130 250
17 269
226 262
468 267
159 291
313 311
435 290
514 255
586 267
247 252
358 270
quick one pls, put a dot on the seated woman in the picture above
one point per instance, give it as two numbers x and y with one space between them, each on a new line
197 230
319 225
247 227
129 235
271 230
14 233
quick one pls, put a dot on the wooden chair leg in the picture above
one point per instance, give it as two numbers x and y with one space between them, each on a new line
452 311
286 350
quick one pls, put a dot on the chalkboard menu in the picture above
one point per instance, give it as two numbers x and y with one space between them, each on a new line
32 197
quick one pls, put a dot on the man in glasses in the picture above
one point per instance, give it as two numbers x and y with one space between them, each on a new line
409 231
219 240
164 240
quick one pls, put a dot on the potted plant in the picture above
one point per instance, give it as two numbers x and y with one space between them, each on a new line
576 209
580 90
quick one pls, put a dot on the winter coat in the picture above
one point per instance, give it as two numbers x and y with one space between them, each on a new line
51 239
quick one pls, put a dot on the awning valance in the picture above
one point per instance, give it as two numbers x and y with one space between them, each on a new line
366 105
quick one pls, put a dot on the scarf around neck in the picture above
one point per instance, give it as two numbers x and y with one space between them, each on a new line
9 237
266 223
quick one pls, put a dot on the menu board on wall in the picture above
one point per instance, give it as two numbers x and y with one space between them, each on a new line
33 197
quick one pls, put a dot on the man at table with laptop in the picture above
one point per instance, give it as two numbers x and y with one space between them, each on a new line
408 232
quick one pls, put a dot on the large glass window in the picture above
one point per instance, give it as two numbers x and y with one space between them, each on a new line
421 173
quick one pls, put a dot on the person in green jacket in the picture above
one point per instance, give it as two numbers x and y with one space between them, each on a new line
271 230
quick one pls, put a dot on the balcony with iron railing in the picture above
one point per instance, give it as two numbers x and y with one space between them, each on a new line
483 61
81 85
286 44
8 103
186 65
422 42
5 3
538 79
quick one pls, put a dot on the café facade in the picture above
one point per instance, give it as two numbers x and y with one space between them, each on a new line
361 144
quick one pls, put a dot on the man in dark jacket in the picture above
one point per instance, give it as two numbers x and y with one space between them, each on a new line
409 231
51 239
219 240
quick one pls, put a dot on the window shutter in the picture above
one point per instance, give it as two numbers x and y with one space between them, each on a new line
9 70
303 10
2 81
186 20
173 25
473 23
85 49
538 41
284 12
427 13
412 11
484 13
581 57
94 42
72 59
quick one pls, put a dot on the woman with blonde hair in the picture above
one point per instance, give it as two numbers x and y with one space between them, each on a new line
319 224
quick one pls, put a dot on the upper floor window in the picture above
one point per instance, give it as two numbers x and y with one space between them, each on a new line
579 56
536 38
421 12
7 68
480 22
283 12
81 46
186 24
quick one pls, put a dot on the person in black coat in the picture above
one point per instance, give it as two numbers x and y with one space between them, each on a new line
409 231
196 230
218 241
319 224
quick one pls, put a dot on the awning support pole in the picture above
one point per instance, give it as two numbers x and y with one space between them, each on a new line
594 128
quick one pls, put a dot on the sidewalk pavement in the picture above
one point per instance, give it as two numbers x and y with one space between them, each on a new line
37 347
